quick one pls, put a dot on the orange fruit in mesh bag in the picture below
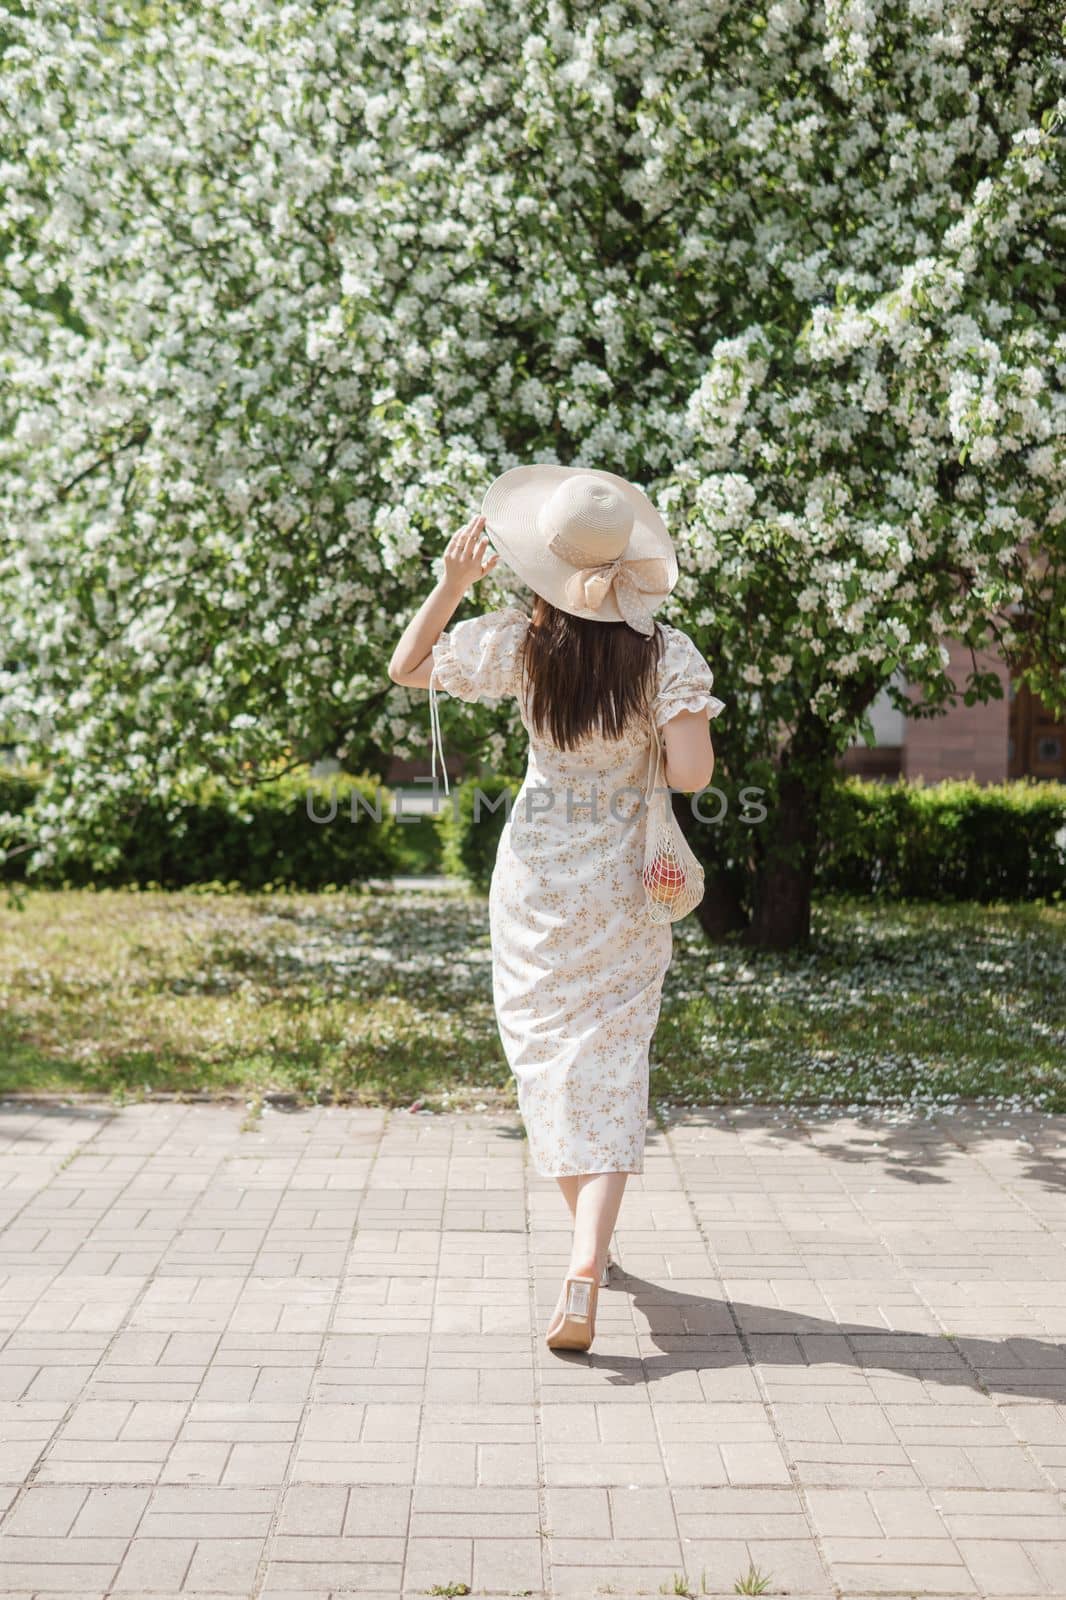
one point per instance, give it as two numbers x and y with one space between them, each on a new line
664 879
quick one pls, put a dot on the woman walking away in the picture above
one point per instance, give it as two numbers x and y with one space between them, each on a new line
577 962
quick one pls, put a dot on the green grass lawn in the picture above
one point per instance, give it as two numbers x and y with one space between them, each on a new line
386 998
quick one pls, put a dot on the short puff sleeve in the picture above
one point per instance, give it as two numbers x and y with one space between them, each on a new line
479 658
685 680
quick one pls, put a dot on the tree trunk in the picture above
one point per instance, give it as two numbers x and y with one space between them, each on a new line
782 913
721 910
784 880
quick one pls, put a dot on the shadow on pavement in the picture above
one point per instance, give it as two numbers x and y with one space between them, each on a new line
693 1332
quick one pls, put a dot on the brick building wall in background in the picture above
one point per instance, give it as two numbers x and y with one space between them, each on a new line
968 741
1010 738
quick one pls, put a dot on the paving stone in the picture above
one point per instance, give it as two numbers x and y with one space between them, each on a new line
1001 1567
44 1509
229 1563
1049 1559
155 1563
513 1565
301 1362
110 1511
908 1578
576 1511
40 1578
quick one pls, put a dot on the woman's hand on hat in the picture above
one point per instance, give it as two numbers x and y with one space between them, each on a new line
464 557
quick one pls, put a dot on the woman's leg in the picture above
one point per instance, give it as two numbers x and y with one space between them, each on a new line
570 1186
594 1200
599 1199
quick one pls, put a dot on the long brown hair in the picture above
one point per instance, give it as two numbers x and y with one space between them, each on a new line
581 674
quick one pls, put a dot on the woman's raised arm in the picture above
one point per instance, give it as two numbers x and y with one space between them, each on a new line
464 563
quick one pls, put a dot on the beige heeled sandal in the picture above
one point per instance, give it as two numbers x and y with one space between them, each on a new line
577 1328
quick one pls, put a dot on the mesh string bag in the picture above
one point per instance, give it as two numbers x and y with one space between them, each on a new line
673 878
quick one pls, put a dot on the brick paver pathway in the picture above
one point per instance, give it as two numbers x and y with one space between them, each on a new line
306 1359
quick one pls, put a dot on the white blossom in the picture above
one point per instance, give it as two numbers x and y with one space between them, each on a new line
286 287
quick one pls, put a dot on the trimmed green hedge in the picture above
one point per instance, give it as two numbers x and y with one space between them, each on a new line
249 838
955 840
470 829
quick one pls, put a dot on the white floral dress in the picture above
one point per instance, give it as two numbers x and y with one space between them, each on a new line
577 966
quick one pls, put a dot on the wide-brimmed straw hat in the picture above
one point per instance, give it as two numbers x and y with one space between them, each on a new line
586 540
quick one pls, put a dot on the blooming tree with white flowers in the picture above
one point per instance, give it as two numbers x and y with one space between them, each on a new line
286 285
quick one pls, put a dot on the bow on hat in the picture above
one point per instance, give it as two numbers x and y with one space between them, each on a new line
587 587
